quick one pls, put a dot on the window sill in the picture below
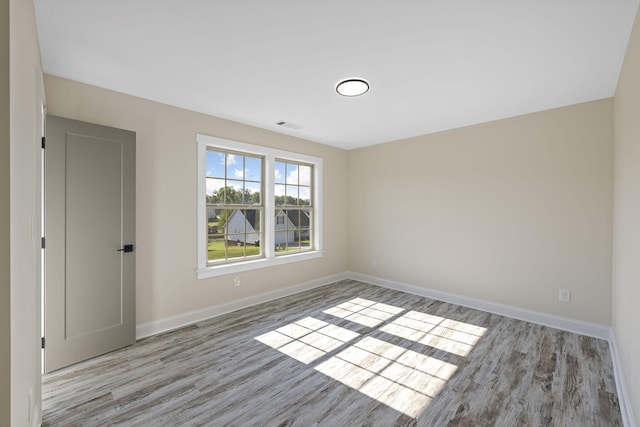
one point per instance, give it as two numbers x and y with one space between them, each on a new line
239 267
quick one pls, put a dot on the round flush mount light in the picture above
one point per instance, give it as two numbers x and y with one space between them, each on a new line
352 87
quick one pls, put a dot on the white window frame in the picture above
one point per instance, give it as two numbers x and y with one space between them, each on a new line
205 270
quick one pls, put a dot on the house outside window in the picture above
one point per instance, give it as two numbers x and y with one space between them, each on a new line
257 206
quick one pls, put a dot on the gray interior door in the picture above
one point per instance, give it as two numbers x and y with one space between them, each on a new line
89 221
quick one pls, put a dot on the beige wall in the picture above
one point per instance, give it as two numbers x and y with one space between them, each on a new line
166 198
626 220
508 211
25 98
5 260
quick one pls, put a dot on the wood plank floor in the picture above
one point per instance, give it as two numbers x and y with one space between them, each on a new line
347 354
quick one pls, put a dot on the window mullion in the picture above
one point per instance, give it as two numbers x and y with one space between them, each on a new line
269 207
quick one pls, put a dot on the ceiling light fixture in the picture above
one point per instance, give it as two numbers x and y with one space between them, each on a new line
352 87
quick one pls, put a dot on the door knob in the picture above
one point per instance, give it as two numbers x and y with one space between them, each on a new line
127 248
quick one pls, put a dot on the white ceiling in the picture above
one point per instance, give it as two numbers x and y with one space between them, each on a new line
432 64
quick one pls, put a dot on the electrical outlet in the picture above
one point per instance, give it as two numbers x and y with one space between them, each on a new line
236 281
374 262
565 295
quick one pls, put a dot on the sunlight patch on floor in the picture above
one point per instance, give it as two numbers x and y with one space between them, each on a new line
308 339
364 312
444 334
401 379
396 376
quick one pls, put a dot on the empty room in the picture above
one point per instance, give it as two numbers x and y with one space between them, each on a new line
357 213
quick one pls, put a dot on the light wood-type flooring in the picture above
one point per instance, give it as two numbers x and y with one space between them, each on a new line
347 354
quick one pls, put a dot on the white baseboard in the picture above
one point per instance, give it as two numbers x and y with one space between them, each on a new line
36 420
584 328
166 324
621 385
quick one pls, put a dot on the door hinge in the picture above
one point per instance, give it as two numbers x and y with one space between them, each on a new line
42 342
43 243
43 141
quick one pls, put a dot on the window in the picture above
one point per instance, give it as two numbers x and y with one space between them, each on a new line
234 205
294 207
257 206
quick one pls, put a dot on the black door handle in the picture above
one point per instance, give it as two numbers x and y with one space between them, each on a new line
127 248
